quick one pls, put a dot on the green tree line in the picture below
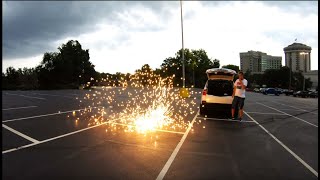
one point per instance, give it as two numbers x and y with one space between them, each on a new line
278 78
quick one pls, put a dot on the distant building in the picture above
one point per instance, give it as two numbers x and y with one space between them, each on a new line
258 62
297 57
270 62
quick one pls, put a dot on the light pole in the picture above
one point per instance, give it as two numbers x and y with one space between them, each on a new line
304 83
183 68
183 91
304 58
290 63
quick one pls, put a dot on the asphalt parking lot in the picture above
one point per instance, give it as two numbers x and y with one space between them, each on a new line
278 139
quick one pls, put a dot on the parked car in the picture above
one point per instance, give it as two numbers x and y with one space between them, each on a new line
262 90
256 90
288 92
217 92
279 90
302 94
284 90
271 91
313 94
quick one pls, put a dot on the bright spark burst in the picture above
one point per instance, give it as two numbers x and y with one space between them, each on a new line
153 119
143 103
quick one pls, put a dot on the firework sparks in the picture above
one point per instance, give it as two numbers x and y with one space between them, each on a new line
142 103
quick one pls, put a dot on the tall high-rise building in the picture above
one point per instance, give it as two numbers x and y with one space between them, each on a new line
297 57
258 62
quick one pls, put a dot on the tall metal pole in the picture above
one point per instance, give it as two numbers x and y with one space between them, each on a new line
290 79
183 68
304 58
290 64
304 81
304 55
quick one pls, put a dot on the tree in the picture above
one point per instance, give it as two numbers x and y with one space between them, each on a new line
144 77
231 66
216 63
298 81
196 64
25 79
28 78
12 78
67 68
4 81
279 78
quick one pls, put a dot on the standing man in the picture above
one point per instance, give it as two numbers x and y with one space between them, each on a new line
238 95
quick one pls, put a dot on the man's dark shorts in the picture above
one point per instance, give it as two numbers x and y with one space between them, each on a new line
238 101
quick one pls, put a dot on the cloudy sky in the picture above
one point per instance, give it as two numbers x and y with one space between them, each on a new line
122 36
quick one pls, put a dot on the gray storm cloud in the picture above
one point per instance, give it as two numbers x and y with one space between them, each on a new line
30 28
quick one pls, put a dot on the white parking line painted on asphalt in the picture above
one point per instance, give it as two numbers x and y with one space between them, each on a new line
25 107
218 119
285 147
296 108
20 134
267 113
55 95
161 130
176 150
44 115
25 96
175 132
74 94
289 115
291 110
54 138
